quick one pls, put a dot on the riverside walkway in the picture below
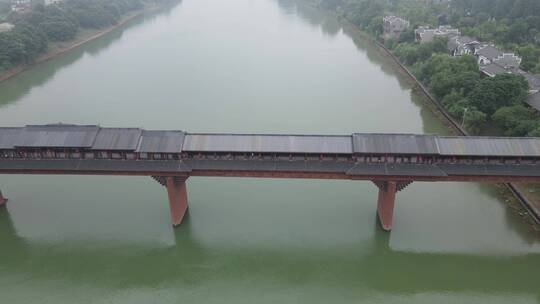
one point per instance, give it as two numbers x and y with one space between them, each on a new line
390 161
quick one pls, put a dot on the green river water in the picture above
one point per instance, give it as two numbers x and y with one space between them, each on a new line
247 66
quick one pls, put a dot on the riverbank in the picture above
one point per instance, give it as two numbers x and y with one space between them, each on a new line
514 191
521 198
56 49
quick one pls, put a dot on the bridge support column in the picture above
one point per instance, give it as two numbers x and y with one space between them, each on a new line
386 201
3 200
178 202
385 204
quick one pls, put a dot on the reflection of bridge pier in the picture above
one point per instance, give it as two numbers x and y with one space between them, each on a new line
444 271
3 200
438 272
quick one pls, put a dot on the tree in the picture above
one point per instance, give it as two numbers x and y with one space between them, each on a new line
535 132
11 48
530 55
33 39
518 31
514 120
474 120
59 30
56 22
407 53
455 103
500 91
408 35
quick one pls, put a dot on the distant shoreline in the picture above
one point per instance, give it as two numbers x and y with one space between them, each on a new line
71 45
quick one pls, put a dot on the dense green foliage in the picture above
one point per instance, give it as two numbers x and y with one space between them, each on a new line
59 22
456 82
511 24
411 53
5 9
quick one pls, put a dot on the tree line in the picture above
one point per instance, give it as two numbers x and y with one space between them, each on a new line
57 22
484 104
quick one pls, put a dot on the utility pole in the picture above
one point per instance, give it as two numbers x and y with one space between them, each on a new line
463 118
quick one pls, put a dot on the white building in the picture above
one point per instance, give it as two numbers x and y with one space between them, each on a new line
49 2
20 5
393 27
6 27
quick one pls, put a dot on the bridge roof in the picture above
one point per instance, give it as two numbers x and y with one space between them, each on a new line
394 144
93 137
161 141
489 146
124 139
8 137
267 143
57 136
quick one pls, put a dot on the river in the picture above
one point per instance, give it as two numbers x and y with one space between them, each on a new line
249 66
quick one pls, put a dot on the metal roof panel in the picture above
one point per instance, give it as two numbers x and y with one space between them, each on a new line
57 136
124 139
8 137
161 141
268 143
394 144
489 146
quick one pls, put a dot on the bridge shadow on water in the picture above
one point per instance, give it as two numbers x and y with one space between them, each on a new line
191 263
18 86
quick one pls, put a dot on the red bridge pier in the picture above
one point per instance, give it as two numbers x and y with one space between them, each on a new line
177 193
385 204
3 200
178 201
386 201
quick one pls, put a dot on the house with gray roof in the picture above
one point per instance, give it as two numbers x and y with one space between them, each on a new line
493 69
533 80
533 100
493 62
425 34
509 61
486 54
393 27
